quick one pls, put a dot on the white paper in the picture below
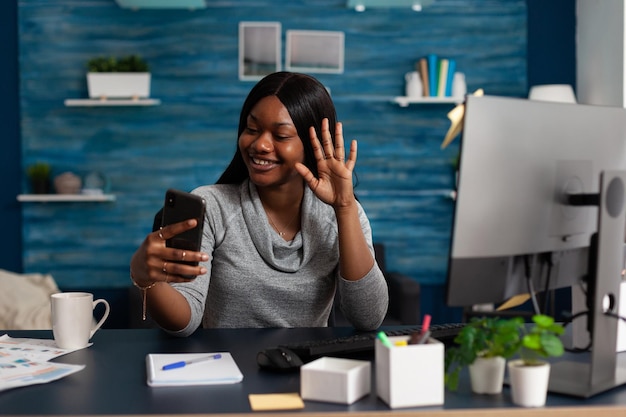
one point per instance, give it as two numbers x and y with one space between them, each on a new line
25 362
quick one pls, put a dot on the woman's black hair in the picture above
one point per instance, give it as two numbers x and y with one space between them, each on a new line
307 102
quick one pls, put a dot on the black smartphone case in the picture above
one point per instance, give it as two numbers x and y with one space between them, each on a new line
180 206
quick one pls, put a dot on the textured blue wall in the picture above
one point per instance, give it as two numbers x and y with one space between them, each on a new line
190 137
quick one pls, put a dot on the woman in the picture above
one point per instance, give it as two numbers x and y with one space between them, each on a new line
283 230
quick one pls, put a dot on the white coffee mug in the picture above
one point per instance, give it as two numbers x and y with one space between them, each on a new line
72 318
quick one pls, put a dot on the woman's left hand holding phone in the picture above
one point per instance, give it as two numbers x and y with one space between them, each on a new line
153 264
154 261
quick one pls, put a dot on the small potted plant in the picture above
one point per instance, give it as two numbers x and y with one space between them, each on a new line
529 375
483 346
39 177
125 77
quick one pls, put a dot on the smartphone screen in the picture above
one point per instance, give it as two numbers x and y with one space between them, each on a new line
180 206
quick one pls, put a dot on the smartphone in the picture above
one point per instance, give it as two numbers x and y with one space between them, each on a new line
180 206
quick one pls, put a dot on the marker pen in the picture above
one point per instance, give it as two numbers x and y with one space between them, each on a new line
384 339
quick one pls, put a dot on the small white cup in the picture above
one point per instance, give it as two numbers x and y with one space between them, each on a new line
72 318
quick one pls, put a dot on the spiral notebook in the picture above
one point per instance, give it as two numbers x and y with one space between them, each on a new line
179 369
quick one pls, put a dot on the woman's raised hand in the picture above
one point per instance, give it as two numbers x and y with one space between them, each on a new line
334 185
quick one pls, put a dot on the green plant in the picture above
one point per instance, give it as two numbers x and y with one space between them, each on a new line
541 340
484 337
130 63
38 171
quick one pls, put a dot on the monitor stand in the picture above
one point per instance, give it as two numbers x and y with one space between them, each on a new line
602 369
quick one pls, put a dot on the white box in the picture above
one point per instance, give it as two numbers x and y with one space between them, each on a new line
411 375
335 380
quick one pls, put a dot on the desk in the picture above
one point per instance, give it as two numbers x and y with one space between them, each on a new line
114 382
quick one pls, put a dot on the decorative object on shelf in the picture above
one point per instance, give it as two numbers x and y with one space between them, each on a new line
483 345
95 183
39 177
413 84
562 93
456 116
127 77
67 183
529 375
459 86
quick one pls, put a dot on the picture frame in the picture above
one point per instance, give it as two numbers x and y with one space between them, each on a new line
259 49
315 51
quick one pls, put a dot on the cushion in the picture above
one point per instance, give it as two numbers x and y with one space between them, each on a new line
25 301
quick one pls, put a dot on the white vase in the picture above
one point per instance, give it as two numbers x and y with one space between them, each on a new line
413 86
487 375
529 384
105 85
459 87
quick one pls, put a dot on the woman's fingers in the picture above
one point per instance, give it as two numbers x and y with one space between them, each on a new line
167 264
174 229
325 149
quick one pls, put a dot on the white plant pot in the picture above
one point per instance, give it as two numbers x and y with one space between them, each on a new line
487 375
529 384
118 84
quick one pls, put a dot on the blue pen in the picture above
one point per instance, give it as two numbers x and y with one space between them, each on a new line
181 364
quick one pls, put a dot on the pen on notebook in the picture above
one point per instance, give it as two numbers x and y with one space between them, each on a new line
384 339
181 364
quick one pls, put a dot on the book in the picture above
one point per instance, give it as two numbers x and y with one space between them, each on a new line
191 369
432 74
450 79
443 77
422 67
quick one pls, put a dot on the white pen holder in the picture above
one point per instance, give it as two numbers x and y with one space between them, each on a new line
411 375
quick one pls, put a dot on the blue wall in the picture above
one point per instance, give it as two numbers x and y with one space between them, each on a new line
190 137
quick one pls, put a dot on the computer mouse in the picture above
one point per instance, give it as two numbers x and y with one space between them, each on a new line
279 359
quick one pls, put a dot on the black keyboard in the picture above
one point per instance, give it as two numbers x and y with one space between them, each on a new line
364 342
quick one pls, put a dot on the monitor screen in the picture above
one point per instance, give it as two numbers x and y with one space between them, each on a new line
519 159
540 205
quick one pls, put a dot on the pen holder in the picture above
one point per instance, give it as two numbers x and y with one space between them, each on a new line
410 375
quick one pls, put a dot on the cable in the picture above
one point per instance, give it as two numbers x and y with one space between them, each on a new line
548 260
529 283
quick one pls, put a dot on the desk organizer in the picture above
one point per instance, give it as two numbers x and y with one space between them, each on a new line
335 380
411 375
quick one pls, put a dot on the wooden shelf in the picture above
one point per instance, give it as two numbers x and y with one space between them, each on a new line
405 101
60 198
94 102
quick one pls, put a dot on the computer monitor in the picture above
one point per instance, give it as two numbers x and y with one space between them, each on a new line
535 179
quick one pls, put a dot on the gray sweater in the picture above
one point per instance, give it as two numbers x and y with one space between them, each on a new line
257 279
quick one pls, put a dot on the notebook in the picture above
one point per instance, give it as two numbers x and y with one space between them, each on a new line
191 369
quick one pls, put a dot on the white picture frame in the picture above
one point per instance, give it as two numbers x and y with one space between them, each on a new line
315 51
259 49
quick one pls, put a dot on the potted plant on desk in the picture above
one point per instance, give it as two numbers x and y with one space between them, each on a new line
127 77
530 374
483 346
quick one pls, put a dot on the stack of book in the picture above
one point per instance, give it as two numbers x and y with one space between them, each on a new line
437 75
